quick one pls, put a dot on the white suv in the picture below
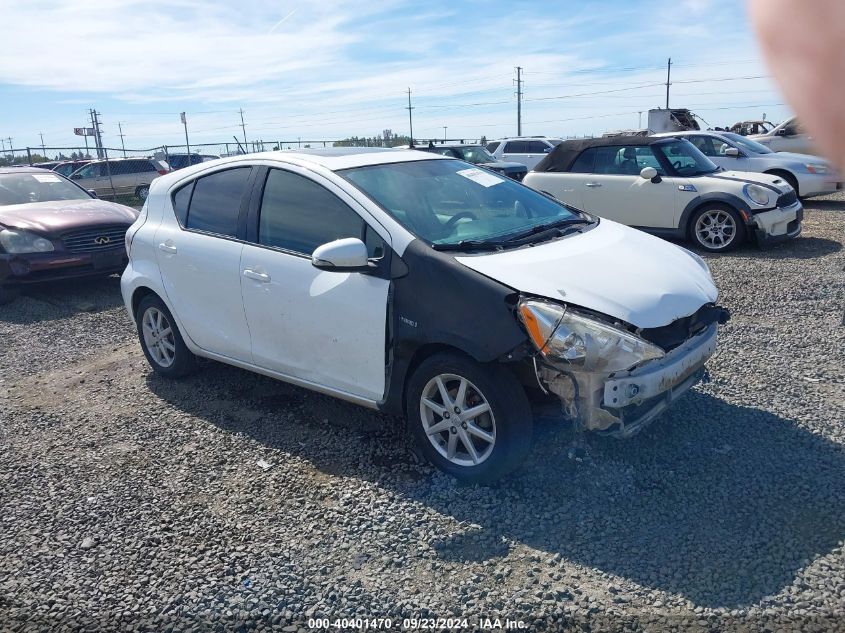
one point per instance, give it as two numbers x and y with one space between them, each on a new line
668 187
525 150
422 286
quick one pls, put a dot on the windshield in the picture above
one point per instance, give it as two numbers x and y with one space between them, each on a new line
448 201
475 155
747 144
28 187
686 159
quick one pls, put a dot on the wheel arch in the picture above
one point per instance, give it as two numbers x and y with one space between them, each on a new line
787 175
735 202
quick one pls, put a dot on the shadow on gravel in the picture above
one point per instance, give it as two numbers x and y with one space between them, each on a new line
719 503
60 299
799 248
825 205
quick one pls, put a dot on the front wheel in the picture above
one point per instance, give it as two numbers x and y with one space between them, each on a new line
717 228
161 340
472 421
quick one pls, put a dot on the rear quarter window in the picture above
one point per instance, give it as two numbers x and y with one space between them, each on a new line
216 201
492 147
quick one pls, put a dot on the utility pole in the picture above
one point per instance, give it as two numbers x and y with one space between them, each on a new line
668 74
243 126
640 121
122 146
444 133
410 117
98 140
43 149
187 144
519 100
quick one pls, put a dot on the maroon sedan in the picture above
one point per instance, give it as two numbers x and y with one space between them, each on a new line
50 228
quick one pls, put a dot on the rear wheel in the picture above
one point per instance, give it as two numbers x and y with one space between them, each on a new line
717 228
472 421
143 191
161 340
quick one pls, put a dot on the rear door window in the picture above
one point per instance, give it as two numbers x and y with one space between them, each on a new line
516 147
216 202
537 147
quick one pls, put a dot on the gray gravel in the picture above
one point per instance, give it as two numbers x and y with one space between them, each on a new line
131 503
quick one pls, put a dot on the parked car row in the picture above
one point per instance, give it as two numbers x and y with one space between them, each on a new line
399 254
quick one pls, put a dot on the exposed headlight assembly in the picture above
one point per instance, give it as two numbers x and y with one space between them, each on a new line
567 338
757 194
24 242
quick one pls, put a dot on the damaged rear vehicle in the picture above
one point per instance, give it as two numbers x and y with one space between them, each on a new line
421 286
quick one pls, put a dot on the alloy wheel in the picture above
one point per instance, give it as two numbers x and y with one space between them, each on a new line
716 229
458 420
158 337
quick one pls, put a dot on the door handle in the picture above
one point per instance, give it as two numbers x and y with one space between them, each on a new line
252 274
594 184
167 248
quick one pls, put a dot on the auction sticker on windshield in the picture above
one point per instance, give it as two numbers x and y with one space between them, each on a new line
483 178
46 178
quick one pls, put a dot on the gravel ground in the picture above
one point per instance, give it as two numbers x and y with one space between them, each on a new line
130 502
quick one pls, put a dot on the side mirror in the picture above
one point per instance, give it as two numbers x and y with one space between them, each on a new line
346 255
732 151
93 193
649 173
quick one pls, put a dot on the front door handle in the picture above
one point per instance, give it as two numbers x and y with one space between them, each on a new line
257 276
167 248
594 184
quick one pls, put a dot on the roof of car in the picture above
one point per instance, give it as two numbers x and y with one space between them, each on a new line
21 170
562 156
334 158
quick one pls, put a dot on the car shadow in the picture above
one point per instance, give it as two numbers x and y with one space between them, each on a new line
721 504
53 300
828 205
799 248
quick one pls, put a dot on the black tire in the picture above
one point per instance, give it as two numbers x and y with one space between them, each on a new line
8 294
793 182
183 360
510 417
738 234
142 192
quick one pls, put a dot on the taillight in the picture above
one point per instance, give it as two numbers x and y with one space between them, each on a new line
162 172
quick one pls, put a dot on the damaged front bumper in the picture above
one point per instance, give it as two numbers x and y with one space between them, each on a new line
778 225
621 404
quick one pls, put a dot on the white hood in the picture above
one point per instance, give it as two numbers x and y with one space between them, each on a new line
752 176
612 269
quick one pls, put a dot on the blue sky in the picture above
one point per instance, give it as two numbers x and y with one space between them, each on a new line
326 70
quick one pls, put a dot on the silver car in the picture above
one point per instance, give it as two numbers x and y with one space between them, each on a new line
808 175
120 176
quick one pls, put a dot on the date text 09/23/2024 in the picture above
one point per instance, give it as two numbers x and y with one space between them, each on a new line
410 624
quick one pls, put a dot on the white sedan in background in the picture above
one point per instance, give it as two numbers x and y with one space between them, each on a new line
808 175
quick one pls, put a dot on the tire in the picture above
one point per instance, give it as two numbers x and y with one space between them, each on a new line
173 359
508 421
793 182
723 219
142 192
8 294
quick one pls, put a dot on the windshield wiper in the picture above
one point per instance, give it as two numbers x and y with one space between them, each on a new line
469 245
547 226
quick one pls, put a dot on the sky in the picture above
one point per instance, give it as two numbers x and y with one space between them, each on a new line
336 68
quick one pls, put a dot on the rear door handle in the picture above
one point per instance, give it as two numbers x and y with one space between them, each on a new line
594 184
167 248
252 274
